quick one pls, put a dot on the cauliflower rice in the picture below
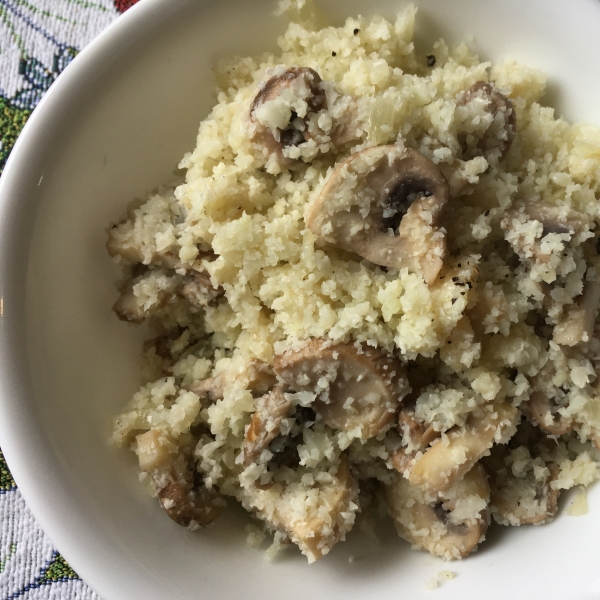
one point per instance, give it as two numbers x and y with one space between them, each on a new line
377 285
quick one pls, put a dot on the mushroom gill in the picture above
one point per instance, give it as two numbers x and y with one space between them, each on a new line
280 111
387 205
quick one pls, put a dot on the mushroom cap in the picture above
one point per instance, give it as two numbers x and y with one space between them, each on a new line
303 82
521 476
314 526
447 460
499 135
555 219
539 409
188 508
449 525
385 204
187 504
577 326
265 424
254 375
359 389
286 80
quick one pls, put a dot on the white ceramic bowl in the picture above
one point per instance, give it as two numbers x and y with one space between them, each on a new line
112 127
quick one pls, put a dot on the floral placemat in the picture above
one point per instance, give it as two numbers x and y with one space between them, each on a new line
38 39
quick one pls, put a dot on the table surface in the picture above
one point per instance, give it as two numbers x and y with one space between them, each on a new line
38 39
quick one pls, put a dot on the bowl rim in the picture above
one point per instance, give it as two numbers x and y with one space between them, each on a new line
40 480
19 419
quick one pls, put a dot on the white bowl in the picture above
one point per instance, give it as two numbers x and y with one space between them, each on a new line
112 127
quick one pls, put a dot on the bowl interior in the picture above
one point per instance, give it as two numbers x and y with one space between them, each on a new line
114 127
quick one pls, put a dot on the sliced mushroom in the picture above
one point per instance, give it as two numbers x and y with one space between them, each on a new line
523 496
554 219
267 114
135 308
254 375
135 305
499 133
358 389
415 438
449 525
387 205
448 459
412 429
126 249
577 324
540 409
314 526
185 500
265 425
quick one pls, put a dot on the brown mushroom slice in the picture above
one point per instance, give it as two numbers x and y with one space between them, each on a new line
182 498
450 525
387 205
529 500
301 82
251 374
359 389
500 132
135 308
315 527
163 287
577 325
447 460
265 425
415 438
554 220
167 259
539 408
411 428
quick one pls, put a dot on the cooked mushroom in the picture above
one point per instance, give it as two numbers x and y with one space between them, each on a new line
499 128
522 496
254 375
142 296
387 205
185 500
554 219
265 425
415 438
279 124
118 245
410 428
449 525
358 389
448 459
316 526
577 325
542 411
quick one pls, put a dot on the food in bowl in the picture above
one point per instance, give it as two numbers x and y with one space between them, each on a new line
377 284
